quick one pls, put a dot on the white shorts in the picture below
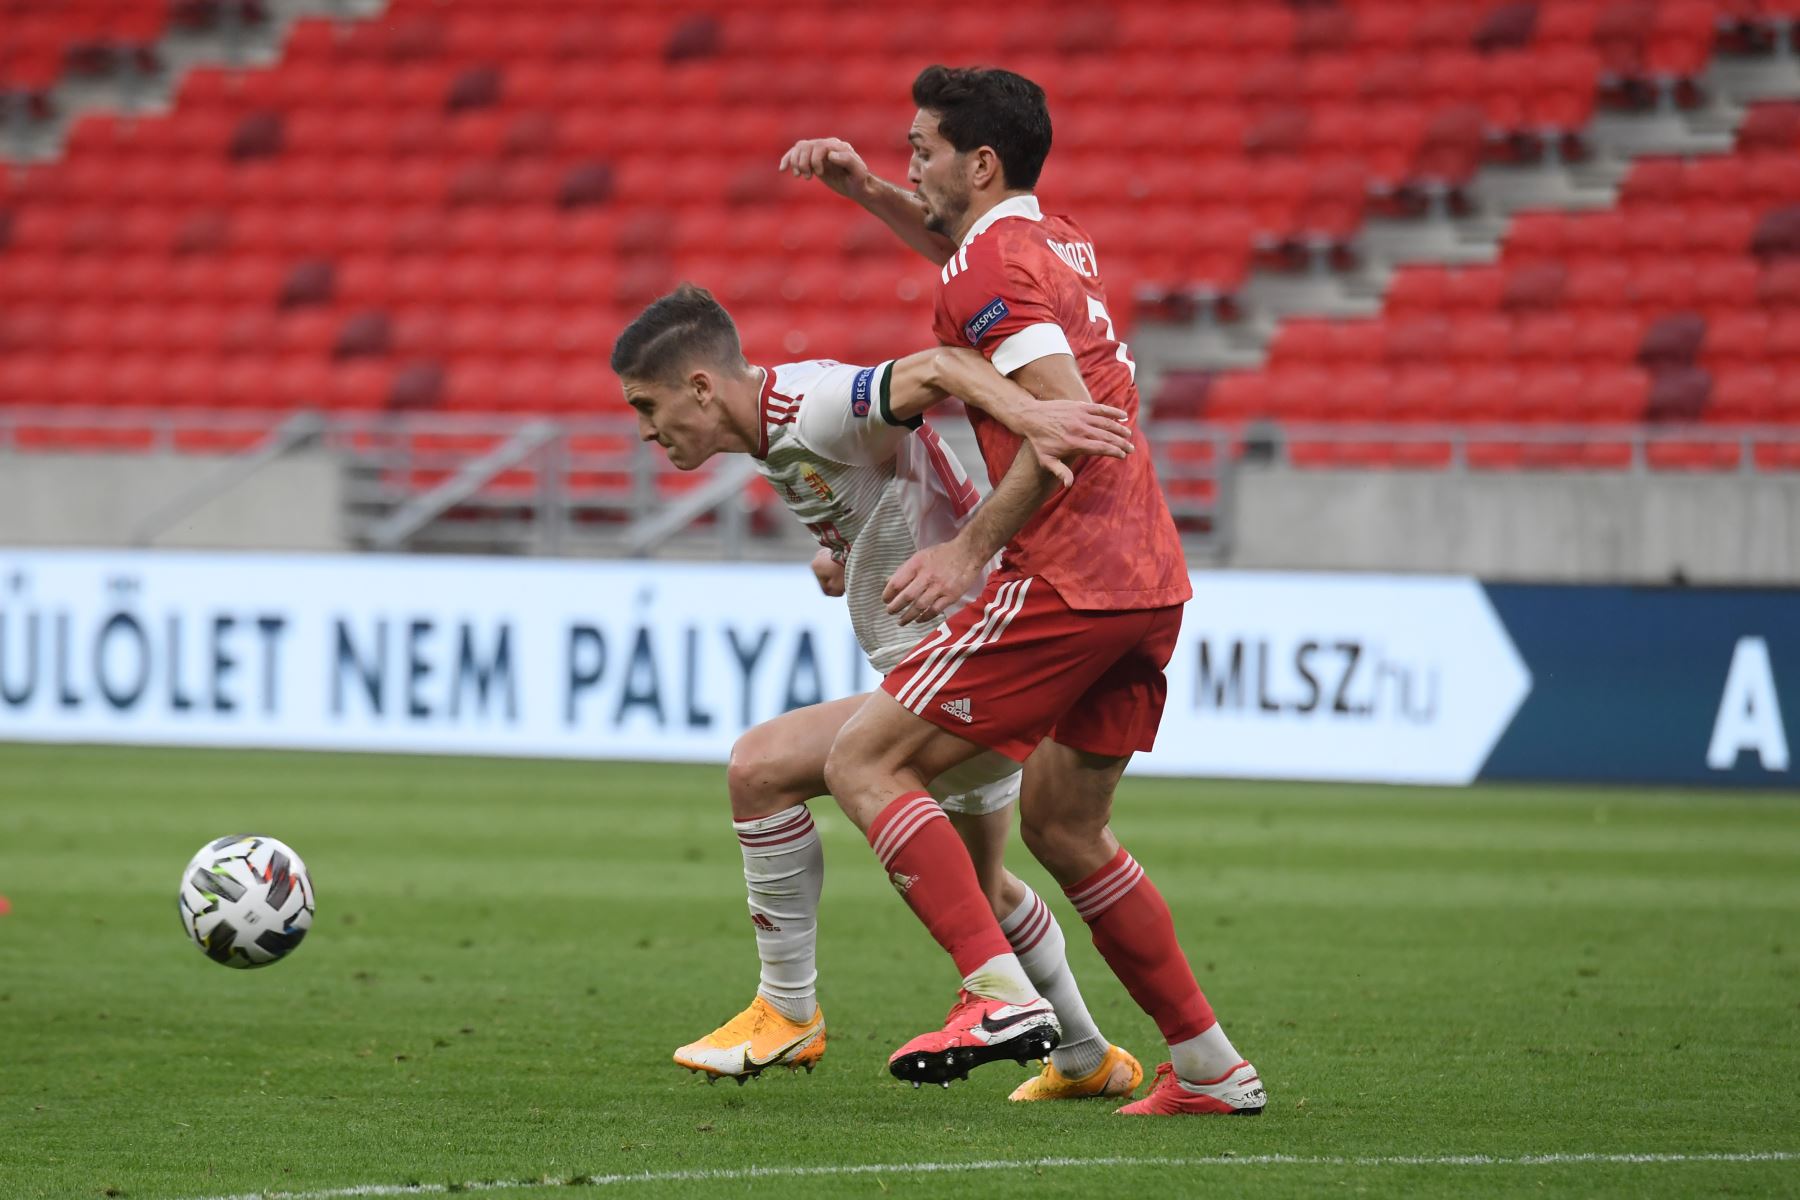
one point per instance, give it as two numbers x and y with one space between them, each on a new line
985 784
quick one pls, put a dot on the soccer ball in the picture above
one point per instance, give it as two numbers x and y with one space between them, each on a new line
246 900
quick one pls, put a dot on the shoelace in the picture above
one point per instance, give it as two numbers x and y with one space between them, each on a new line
964 1001
1163 1071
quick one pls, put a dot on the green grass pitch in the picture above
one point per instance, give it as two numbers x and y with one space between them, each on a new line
506 953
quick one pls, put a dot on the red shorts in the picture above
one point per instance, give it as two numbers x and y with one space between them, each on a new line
1018 665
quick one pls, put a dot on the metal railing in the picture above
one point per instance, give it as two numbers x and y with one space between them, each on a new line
587 485
1417 446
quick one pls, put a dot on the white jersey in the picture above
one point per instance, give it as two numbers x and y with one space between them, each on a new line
872 489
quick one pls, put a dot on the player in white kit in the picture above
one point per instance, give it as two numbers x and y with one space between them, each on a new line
847 450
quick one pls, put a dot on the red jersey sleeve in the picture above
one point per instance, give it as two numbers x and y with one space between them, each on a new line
993 301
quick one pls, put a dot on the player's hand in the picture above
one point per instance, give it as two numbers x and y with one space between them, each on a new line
829 572
1059 430
832 161
930 582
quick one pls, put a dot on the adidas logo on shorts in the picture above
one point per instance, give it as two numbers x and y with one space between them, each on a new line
959 709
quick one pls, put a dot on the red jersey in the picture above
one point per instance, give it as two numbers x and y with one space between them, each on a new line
1023 286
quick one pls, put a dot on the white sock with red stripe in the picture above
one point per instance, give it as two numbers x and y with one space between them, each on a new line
1038 941
784 870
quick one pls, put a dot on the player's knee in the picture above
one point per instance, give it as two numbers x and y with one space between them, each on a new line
751 778
847 766
1054 843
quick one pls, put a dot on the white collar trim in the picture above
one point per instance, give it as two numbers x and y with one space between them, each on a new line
1013 206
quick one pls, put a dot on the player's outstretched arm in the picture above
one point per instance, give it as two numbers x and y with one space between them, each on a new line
933 579
1057 429
836 164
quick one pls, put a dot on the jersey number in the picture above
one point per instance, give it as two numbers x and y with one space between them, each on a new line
1097 312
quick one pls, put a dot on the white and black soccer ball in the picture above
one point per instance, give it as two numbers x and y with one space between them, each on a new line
246 900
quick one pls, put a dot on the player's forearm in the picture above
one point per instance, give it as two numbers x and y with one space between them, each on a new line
922 380
899 210
1007 509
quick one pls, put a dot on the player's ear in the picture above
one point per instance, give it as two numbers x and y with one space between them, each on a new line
985 169
701 384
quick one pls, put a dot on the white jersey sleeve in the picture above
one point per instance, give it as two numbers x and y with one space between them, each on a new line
845 415
870 489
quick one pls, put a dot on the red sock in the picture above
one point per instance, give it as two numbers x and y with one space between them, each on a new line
1136 936
930 868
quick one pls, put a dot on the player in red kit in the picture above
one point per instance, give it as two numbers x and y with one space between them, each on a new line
1061 660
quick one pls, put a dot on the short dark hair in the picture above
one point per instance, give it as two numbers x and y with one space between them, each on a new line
676 329
986 106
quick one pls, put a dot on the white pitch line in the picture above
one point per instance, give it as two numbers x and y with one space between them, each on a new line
1026 1164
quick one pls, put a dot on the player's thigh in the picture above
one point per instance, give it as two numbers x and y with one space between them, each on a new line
781 762
1065 809
884 750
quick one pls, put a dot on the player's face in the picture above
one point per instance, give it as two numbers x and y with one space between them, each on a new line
675 417
938 175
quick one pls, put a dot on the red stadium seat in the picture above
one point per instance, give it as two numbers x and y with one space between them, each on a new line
1238 396
148 261
1606 337
1784 340
1597 285
1364 393
1744 395
1613 396
1738 337
1417 289
1692 456
1486 395
1544 338
1713 228
1422 395
1415 339
1772 179
1480 338
1302 394
1535 236
1655 181
1552 393
1779 285
1474 288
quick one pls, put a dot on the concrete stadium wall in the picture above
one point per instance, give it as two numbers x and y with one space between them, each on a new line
100 500
1551 527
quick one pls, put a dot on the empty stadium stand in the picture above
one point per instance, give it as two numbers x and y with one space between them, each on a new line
452 208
